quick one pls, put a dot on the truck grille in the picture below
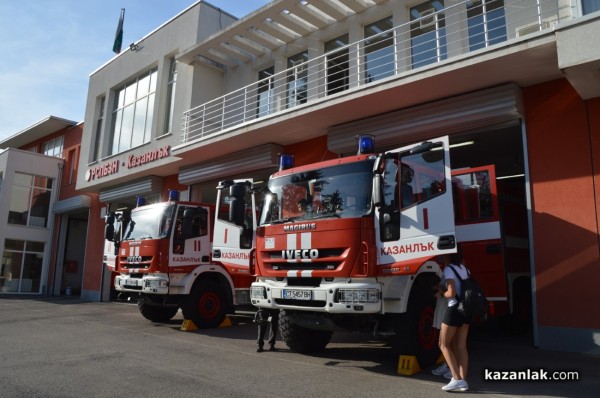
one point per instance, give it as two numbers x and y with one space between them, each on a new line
323 253
304 266
143 264
328 260
302 303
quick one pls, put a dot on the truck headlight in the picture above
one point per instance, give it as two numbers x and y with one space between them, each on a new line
258 292
156 283
354 296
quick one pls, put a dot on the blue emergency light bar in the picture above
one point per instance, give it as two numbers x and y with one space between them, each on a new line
173 195
366 144
286 161
140 201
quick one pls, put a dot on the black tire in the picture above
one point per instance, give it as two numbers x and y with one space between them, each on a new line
206 305
300 339
415 334
156 313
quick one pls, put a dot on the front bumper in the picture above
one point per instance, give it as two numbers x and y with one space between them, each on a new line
337 297
150 284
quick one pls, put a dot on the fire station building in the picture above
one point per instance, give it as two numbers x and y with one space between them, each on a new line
515 84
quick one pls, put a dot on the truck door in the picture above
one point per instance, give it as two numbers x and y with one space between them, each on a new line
415 219
235 223
478 228
190 240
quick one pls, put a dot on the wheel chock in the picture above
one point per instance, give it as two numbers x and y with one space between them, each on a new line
440 359
188 326
408 365
226 323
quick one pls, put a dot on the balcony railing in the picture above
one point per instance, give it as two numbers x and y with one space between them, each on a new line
430 38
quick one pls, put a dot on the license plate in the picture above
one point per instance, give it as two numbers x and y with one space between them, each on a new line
131 282
294 294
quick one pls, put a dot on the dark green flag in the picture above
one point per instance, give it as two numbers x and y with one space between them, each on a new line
119 33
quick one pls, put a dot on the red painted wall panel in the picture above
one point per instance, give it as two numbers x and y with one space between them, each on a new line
310 151
565 228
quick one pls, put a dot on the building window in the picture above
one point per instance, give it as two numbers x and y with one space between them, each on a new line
379 50
21 270
590 6
30 200
132 114
53 147
171 85
99 122
33 149
487 24
428 33
266 91
338 64
297 79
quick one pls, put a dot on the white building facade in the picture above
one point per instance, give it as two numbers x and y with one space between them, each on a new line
29 188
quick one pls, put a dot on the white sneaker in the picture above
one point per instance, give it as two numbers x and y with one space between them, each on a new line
440 370
456 385
448 375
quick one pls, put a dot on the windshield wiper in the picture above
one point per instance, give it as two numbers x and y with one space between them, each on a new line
289 219
325 215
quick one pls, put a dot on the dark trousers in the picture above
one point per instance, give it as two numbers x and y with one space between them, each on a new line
262 329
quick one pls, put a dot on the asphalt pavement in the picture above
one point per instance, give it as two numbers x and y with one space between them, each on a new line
63 347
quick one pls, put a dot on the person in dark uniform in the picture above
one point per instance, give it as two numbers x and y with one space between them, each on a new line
264 318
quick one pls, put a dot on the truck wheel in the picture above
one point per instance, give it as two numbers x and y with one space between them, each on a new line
156 313
301 339
415 334
206 305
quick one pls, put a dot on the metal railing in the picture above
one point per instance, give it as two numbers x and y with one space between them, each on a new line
437 36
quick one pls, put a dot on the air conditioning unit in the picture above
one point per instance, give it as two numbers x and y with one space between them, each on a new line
536 26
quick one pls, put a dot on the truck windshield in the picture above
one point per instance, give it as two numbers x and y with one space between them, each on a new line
149 222
342 191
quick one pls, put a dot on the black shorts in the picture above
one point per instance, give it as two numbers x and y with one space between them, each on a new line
455 318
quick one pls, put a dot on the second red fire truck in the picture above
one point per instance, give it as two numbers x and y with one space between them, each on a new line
186 255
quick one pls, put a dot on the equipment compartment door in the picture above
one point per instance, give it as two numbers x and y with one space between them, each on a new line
478 229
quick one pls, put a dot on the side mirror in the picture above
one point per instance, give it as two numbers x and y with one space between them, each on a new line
109 228
377 196
109 232
237 206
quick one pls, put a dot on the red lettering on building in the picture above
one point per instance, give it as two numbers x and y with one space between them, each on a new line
102 170
112 167
154 155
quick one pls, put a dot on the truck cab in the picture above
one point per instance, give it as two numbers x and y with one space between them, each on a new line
346 243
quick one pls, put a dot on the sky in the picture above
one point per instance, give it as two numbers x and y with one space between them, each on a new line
49 48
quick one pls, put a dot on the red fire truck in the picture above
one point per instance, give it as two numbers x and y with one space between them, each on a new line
356 243
169 255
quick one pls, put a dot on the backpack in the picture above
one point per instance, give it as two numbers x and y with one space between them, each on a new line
472 301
